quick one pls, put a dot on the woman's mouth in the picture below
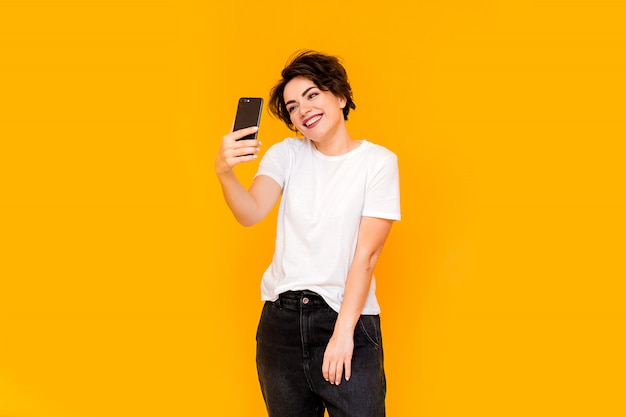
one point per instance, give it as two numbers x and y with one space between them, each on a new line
312 122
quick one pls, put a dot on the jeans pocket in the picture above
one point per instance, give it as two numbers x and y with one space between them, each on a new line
369 326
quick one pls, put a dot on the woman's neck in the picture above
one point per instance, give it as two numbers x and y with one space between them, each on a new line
337 144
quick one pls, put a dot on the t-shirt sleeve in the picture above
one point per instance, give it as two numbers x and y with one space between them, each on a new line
275 162
382 194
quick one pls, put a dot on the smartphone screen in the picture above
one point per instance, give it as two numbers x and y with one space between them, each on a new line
248 114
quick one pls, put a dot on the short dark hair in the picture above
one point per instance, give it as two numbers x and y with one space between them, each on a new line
325 71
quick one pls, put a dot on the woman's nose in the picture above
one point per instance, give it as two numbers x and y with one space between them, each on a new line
304 110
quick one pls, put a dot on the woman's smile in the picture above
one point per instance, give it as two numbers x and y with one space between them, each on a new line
312 121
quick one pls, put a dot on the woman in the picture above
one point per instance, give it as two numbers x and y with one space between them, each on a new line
318 341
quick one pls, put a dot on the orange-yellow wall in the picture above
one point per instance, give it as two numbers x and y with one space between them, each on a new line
127 289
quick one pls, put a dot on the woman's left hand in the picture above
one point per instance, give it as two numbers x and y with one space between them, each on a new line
338 356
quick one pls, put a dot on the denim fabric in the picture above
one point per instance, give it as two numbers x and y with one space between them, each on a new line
291 339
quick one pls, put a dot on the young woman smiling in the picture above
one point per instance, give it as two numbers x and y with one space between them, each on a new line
319 341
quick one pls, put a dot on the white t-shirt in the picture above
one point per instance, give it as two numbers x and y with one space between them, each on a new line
323 200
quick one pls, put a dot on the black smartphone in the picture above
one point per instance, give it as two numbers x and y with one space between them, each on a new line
248 114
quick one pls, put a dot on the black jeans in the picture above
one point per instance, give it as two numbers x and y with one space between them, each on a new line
291 339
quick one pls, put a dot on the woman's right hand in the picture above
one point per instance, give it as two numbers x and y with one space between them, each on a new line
233 152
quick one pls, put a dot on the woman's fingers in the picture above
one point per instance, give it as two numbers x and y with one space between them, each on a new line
238 134
337 357
338 374
332 371
348 373
234 151
243 147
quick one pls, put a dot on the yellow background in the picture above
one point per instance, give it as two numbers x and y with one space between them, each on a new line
127 289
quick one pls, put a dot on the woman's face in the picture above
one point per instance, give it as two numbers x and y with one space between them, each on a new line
314 112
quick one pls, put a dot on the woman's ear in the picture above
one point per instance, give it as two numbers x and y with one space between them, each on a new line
342 102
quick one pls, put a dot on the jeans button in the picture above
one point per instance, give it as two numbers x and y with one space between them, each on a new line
305 300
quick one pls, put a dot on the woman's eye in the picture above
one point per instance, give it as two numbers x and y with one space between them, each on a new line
312 95
290 109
